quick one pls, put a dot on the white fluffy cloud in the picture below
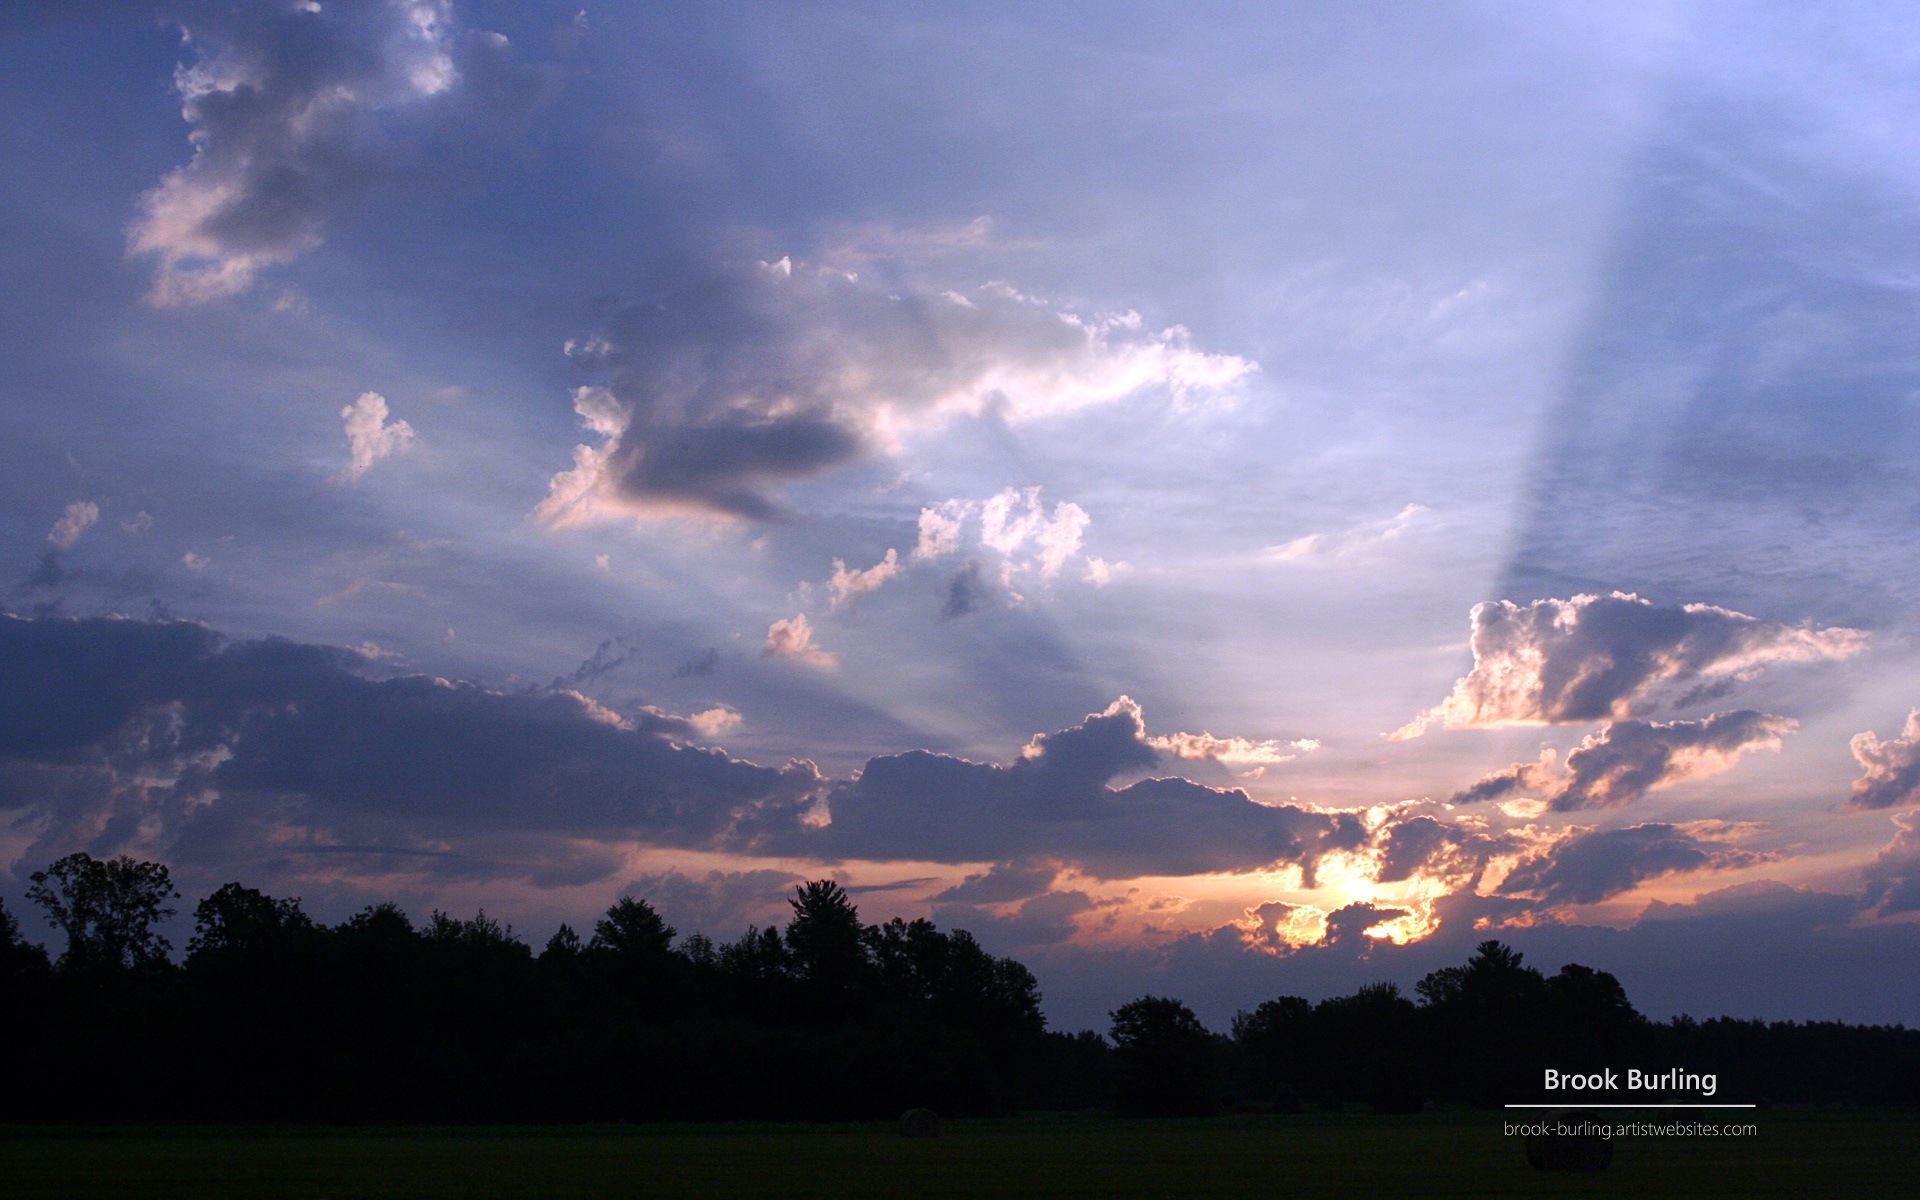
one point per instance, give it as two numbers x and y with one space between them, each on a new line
370 435
729 383
1592 658
846 584
1016 525
940 528
793 638
1892 777
72 523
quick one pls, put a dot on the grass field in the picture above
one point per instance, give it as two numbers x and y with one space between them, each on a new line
1794 1154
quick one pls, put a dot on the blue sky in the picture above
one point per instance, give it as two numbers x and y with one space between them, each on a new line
1038 468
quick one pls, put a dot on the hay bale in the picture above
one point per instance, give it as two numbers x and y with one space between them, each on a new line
1568 1143
919 1122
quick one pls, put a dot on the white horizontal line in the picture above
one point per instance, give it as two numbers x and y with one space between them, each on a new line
1577 1104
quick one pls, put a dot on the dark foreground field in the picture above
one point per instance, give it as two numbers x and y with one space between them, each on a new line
1437 1154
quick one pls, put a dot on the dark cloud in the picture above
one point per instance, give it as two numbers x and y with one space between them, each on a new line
1627 759
699 666
968 591
1892 882
49 573
1630 758
1424 846
1587 866
1593 658
224 746
1350 923
283 101
607 657
1892 778
1054 802
720 904
722 384
165 719
1044 920
1006 881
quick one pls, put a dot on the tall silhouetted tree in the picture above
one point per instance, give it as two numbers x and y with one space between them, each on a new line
1165 1060
108 910
1490 1015
826 940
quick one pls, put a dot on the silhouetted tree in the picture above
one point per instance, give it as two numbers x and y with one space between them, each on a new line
108 910
632 932
1278 1052
563 950
827 941
1079 1071
240 922
277 1018
1490 1017
1164 1060
19 958
1591 1023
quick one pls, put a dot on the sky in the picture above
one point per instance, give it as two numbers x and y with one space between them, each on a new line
1221 501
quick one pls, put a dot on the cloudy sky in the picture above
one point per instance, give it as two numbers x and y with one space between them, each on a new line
1219 501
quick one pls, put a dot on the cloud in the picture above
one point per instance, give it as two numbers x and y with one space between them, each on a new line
699 666
1234 751
1423 847
162 730
845 584
163 736
1005 882
968 591
1892 778
1015 529
793 638
724 384
1892 880
1587 867
370 436
1346 542
1044 920
720 904
940 527
283 101
1053 802
1281 928
711 723
1592 658
1015 520
1627 759
72 523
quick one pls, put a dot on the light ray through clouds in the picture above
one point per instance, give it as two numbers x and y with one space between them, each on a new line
1248 500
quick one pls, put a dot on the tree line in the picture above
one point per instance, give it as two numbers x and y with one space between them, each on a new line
272 1016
